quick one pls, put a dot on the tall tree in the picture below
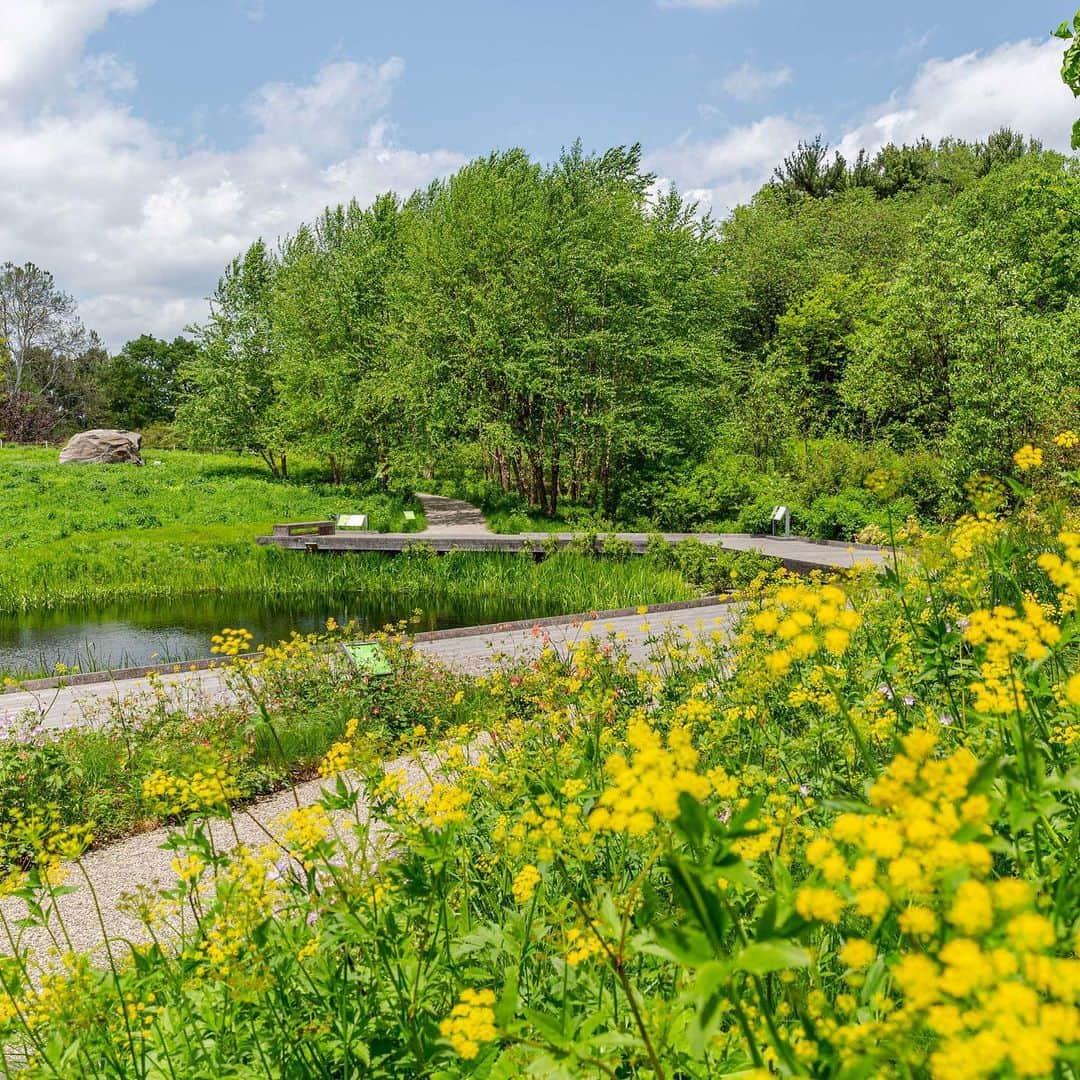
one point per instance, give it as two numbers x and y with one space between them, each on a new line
233 403
43 349
141 384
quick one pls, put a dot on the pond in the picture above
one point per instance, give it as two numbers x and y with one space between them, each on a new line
130 635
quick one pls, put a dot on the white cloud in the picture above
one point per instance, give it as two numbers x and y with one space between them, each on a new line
1016 85
255 11
139 227
325 114
719 173
105 71
749 83
46 39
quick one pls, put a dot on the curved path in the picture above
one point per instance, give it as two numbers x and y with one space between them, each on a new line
139 862
49 704
452 517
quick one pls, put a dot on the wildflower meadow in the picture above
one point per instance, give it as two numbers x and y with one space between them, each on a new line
840 841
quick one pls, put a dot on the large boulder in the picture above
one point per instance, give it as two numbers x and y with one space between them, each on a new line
103 446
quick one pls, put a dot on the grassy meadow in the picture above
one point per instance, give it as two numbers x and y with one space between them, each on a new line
841 845
183 525
78 536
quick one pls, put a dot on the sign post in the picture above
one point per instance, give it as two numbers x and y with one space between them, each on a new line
368 657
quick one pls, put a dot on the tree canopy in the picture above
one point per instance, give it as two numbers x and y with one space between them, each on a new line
574 331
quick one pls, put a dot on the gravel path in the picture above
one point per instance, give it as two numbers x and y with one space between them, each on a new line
471 652
139 862
452 516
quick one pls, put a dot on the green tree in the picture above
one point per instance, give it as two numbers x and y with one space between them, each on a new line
1070 65
331 323
141 384
234 401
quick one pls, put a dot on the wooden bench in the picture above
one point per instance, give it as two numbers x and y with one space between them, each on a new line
299 528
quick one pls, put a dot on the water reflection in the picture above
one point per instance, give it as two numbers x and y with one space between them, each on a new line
128 635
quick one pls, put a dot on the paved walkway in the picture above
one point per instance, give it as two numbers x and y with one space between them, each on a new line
137 863
452 517
468 651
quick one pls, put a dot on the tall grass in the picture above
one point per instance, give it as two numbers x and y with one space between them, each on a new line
106 572
81 536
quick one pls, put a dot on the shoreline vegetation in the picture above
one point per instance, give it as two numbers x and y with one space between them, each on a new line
183 527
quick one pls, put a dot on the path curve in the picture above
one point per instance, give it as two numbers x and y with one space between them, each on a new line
139 862
89 705
452 517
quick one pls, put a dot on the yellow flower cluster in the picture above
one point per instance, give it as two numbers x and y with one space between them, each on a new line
547 828
470 1023
1006 634
996 1005
445 805
305 830
65 993
980 993
210 789
247 895
582 945
971 533
525 883
1028 457
1065 572
816 688
803 619
188 868
1066 439
38 837
649 785
231 642
919 835
338 758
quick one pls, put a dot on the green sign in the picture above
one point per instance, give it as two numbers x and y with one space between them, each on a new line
410 515
368 657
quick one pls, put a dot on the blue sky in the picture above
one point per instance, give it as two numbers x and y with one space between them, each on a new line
146 141
480 75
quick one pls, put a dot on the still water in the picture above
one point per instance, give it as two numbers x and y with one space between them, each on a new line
129 635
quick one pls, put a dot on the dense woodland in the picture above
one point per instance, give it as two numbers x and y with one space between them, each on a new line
572 333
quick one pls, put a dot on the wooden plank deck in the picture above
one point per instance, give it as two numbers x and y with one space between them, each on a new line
796 553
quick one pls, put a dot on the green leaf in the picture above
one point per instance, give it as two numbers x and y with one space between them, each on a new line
700 901
681 945
764 956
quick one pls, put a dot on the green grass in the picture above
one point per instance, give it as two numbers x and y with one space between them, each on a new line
82 536
184 525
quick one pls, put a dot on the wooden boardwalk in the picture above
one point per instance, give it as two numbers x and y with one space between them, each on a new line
455 525
796 553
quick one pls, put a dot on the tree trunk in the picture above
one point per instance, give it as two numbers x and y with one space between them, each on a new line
539 490
519 479
553 489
